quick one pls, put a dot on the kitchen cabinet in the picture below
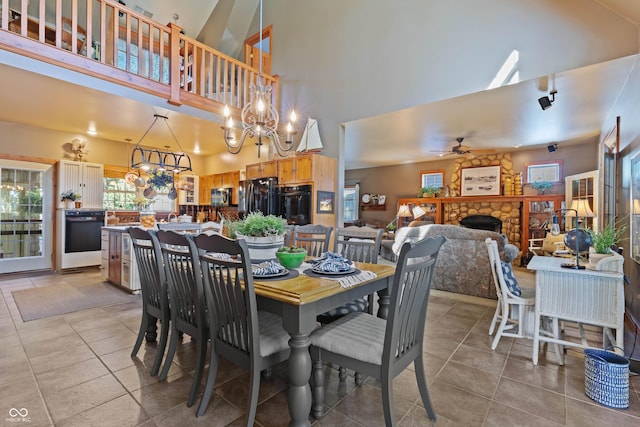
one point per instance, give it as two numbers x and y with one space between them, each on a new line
83 178
115 262
262 170
189 196
295 170
118 259
206 184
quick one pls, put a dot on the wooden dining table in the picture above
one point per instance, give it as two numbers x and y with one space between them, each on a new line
298 301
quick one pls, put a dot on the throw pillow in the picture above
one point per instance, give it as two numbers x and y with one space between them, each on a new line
510 278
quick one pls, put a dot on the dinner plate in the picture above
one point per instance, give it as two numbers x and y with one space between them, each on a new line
281 273
333 273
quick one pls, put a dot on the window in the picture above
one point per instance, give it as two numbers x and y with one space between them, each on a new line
432 178
351 197
120 195
543 171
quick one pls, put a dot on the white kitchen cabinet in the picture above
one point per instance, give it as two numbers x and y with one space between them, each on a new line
118 260
83 178
190 196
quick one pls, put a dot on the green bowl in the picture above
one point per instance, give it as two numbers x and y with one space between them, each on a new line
291 259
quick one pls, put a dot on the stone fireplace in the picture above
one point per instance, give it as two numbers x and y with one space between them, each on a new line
482 222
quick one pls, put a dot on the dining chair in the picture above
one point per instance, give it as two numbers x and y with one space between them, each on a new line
211 227
383 348
360 244
252 339
155 297
313 237
186 302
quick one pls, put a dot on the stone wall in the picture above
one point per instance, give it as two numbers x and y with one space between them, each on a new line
507 212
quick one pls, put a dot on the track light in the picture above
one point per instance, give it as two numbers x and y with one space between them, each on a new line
545 101
552 147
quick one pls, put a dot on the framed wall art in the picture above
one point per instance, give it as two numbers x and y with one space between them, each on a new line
326 202
483 181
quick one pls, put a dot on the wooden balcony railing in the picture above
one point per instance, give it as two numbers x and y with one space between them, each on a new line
103 39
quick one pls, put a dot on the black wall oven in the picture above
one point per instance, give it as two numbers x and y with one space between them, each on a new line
296 204
82 231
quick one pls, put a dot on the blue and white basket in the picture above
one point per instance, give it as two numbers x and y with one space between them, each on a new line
606 378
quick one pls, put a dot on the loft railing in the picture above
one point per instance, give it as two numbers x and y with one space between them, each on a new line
103 39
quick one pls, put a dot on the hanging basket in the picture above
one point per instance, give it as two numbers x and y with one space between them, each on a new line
606 378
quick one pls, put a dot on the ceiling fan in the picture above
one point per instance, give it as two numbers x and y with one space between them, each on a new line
464 149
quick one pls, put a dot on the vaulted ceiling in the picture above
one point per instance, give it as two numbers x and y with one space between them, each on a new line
376 134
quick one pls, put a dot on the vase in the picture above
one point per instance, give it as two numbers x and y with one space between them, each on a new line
262 248
69 204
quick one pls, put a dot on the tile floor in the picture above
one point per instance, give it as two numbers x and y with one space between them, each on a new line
76 370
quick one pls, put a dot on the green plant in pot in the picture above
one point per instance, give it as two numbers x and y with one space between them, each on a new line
291 256
264 234
541 186
429 191
606 238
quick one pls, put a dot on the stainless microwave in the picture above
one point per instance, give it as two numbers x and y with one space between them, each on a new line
220 197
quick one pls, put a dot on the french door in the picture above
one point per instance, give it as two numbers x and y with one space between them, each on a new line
26 226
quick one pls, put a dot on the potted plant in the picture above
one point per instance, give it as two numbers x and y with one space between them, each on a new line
264 234
69 198
541 186
604 240
429 191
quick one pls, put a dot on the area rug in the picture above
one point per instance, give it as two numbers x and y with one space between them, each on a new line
38 303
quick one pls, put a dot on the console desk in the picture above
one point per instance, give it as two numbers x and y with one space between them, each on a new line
586 296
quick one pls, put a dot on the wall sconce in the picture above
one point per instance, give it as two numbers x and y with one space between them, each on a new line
545 102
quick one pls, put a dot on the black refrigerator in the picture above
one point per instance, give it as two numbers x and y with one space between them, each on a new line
262 195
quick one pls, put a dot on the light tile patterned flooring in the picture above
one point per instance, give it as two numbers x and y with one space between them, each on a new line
76 370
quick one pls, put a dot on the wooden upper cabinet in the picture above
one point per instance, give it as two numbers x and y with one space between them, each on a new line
262 170
206 184
294 170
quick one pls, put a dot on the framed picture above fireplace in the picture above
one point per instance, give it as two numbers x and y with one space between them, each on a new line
483 181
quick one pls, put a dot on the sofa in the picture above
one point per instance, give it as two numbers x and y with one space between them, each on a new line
463 261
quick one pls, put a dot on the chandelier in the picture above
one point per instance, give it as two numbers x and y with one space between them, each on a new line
259 117
154 159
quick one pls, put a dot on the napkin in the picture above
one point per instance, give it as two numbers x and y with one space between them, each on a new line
266 268
331 262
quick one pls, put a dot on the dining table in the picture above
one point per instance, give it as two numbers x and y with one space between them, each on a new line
298 300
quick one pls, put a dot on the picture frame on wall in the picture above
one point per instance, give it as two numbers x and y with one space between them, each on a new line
326 202
482 181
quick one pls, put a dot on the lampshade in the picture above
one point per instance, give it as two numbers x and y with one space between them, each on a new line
404 211
582 207
636 207
417 212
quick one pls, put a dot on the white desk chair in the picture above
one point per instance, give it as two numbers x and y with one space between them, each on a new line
515 311
512 311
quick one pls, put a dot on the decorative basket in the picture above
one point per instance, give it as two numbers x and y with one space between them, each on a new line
606 378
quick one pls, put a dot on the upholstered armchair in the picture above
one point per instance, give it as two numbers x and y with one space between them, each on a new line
463 262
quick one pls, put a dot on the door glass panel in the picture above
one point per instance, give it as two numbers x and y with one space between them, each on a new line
21 213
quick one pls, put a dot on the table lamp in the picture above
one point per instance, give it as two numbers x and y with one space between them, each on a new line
418 212
403 212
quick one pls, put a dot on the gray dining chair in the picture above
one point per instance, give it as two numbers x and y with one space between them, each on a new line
360 244
186 302
383 348
155 297
313 237
252 339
